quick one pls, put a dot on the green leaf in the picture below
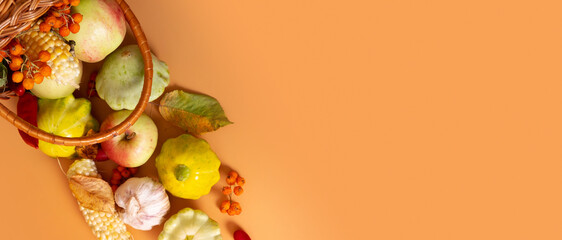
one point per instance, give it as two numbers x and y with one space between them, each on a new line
3 74
194 113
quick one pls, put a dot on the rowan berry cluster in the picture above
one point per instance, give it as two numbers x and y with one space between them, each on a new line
235 183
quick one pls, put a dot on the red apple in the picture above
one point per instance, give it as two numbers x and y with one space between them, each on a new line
102 29
134 147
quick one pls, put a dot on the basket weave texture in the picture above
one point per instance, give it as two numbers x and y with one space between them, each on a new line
17 15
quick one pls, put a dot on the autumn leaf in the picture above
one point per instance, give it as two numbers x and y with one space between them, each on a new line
194 113
27 109
88 151
3 74
92 193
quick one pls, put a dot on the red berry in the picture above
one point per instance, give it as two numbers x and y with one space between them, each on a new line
231 212
114 187
116 175
233 173
236 206
241 235
225 205
16 50
44 56
226 190
115 180
44 27
240 181
133 170
15 65
28 83
77 17
38 78
64 31
17 77
74 27
17 60
59 22
45 70
120 168
231 180
51 20
238 190
20 90
93 76
125 173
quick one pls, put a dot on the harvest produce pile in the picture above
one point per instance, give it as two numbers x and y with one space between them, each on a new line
43 67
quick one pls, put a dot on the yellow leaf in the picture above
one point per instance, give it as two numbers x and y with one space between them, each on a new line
92 193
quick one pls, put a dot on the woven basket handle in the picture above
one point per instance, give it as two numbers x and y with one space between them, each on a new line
110 133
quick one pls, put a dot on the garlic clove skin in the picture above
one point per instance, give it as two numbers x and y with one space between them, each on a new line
142 202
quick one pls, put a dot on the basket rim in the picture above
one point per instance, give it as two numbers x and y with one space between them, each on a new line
119 129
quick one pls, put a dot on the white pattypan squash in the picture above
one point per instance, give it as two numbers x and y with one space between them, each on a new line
120 79
189 224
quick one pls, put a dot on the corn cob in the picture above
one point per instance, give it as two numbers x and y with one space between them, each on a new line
106 226
66 68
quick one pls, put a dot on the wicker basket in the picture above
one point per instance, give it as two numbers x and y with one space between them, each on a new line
16 15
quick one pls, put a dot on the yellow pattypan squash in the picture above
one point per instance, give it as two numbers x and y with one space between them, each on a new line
67 117
187 166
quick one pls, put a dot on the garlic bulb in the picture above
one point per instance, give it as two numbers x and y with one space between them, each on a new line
143 202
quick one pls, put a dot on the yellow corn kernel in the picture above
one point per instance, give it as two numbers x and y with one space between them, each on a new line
104 225
65 66
83 167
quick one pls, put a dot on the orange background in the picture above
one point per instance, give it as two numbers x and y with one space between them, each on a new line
353 120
